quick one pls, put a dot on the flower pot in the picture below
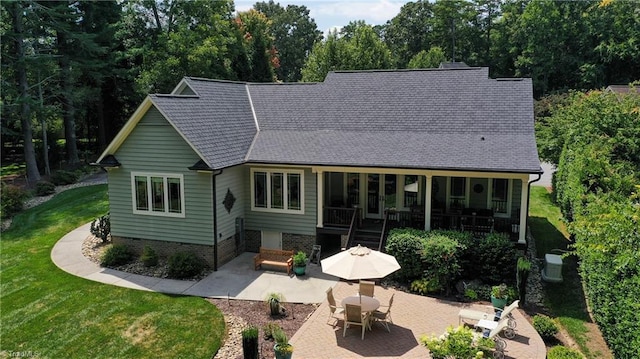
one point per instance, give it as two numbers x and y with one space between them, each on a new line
250 348
498 302
299 270
282 354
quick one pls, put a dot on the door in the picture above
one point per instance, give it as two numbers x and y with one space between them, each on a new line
381 194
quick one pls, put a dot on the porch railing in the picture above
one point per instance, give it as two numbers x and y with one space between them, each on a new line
339 216
355 218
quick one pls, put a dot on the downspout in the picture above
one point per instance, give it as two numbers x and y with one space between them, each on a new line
526 218
214 174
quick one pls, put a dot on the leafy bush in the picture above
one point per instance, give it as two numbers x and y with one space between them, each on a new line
424 286
458 343
545 326
45 188
491 259
471 294
185 265
561 352
250 332
62 177
116 255
11 200
149 257
269 329
101 227
440 258
300 259
405 244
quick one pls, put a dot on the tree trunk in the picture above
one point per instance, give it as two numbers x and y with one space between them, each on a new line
33 175
68 111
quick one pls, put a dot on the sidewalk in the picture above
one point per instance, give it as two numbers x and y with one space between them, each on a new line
235 280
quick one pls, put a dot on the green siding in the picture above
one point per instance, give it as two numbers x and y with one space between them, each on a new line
155 146
516 195
284 222
231 179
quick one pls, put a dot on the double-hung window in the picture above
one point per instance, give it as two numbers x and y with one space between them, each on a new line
158 194
500 196
277 190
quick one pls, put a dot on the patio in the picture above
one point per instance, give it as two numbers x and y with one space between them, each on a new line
413 316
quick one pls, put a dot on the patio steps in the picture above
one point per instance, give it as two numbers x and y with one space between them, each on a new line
367 238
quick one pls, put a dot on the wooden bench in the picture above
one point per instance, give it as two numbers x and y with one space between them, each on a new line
275 257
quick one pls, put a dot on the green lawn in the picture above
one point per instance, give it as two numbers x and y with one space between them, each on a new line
565 300
49 312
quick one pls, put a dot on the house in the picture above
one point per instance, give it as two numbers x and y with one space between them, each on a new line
221 167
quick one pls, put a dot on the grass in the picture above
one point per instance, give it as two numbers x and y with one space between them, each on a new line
565 300
51 313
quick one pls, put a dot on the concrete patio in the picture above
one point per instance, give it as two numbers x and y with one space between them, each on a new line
413 316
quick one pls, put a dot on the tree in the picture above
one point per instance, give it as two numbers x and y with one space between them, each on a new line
424 60
410 31
259 43
294 34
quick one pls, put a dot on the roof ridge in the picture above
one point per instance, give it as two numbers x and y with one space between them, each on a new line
410 70
170 95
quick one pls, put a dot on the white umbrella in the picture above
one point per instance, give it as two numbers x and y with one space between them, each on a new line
360 263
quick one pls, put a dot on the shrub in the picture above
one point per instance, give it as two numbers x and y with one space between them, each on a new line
11 200
560 352
45 188
545 326
458 343
471 294
250 332
62 177
185 265
300 259
439 257
116 255
149 257
101 227
405 244
492 259
424 286
269 329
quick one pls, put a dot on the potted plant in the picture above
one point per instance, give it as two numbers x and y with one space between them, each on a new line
250 342
282 348
273 302
299 263
499 295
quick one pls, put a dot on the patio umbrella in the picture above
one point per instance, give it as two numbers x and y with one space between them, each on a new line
360 263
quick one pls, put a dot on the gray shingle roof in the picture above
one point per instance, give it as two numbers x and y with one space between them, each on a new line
218 122
431 119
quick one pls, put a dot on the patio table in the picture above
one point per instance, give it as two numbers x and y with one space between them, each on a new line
367 305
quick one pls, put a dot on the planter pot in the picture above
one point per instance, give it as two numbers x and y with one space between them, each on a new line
498 302
281 355
299 270
274 307
250 348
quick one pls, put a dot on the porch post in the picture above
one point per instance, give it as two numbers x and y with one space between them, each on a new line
320 198
427 203
522 235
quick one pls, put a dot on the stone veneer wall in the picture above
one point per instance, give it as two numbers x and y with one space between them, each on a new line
226 248
290 241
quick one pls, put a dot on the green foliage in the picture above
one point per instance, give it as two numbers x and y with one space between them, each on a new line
282 341
300 259
492 259
12 200
101 227
149 257
426 285
63 177
425 60
561 352
458 343
405 245
117 254
500 291
268 330
440 259
522 274
471 294
185 265
545 326
45 188
250 332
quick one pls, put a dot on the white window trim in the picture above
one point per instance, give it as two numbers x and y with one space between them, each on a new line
285 188
509 197
150 211
467 183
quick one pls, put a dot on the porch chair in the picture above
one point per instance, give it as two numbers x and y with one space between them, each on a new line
497 315
353 315
366 288
333 308
384 317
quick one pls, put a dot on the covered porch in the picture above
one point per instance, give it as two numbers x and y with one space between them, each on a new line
378 199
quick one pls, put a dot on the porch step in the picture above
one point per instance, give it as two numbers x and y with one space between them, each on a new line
369 239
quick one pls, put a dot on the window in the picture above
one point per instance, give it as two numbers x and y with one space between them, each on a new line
458 193
158 194
500 195
277 190
410 190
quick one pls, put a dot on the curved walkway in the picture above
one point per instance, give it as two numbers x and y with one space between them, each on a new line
236 279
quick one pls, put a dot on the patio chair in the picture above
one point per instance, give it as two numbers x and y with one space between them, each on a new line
366 288
384 316
494 334
353 315
333 308
497 315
